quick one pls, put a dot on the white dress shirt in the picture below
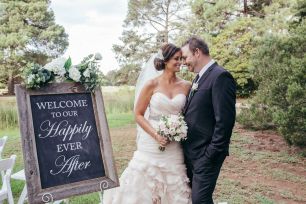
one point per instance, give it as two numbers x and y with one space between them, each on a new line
205 68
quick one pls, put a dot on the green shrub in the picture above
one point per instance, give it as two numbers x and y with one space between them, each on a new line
256 117
232 48
2 85
279 70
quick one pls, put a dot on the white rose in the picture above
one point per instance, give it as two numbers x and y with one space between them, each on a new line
177 138
74 74
183 129
60 71
173 119
59 79
166 131
57 66
172 131
86 73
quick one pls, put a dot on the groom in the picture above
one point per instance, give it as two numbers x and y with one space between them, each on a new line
210 116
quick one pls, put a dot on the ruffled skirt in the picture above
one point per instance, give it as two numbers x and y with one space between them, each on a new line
151 178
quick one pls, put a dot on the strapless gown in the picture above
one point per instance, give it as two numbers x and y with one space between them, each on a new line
153 176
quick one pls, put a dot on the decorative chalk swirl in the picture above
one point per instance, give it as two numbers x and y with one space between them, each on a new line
47 197
103 185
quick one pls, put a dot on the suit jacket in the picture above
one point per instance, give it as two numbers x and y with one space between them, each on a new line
210 115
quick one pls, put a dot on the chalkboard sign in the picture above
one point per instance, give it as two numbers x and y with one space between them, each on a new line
66 143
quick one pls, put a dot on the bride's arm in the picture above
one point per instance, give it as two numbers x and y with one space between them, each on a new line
140 108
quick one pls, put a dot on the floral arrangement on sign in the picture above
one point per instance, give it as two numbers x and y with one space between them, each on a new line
61 70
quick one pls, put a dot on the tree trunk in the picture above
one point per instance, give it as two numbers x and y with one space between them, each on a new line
10 84
245 7
167 23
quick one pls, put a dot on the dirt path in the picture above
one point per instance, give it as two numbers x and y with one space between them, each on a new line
261 168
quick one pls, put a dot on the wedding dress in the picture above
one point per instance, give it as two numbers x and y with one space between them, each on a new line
154 176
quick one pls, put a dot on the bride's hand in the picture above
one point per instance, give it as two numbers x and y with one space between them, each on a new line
161 140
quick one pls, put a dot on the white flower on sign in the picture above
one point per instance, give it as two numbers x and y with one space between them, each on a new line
74 74
194 86
59 79
57 66
98 56
86 73
30 78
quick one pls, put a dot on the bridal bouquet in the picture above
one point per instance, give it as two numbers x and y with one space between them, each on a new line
61 69
173 127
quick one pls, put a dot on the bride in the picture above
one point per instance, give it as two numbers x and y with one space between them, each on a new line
155 176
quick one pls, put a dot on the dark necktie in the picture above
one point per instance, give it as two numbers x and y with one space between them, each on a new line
196 79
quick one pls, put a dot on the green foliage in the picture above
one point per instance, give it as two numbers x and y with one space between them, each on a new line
279 70
89 64
28 33
256 116
233 47
147 26
212 16
233 30
68 64
60 70
37 76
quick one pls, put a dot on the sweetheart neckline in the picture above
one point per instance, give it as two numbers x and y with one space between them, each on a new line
168 96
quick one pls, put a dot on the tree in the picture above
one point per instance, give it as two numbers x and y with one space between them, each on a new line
233 48
148 24
28 33
279 70
232 29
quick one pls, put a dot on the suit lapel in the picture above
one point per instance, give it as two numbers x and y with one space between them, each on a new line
202 79
205 75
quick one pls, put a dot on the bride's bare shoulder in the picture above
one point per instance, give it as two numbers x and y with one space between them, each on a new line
151 84
186 84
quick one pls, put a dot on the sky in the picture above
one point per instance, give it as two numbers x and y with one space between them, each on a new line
93 26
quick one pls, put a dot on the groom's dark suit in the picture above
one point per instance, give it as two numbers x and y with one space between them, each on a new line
210 116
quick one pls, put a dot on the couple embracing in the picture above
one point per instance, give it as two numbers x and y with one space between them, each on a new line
184 172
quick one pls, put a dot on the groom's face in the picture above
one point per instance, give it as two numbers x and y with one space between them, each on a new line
189 58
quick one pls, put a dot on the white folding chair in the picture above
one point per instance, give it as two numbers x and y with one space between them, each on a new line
2 143
6 165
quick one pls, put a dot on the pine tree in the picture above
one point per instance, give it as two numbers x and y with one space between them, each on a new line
28 33
149 23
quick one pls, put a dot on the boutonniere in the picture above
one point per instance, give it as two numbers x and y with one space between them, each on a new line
194 87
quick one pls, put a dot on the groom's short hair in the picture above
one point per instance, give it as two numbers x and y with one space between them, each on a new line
196 42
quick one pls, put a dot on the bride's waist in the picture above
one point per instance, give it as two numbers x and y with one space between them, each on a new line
154 118
157 117
147 142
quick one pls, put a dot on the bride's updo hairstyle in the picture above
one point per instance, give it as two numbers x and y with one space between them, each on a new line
167 52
